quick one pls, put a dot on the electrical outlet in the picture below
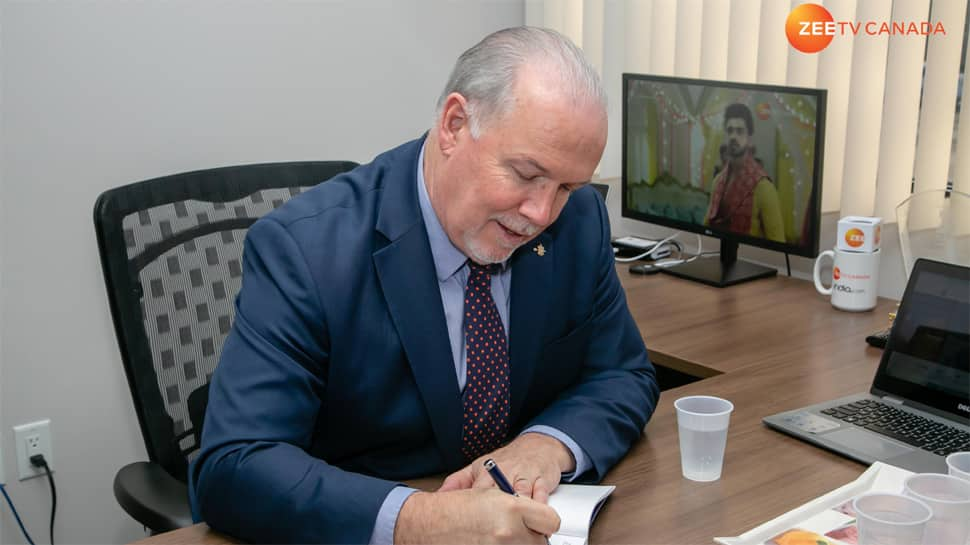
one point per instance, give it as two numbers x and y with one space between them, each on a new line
31 439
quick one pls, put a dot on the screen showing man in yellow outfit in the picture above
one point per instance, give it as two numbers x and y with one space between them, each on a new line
743 199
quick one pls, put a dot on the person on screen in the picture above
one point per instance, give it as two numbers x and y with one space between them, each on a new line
743 199
452 301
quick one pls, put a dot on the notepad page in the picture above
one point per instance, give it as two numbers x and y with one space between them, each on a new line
577 506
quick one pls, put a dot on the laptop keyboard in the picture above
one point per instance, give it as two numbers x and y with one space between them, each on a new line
902 426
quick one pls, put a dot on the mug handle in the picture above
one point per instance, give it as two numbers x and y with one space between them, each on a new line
818 267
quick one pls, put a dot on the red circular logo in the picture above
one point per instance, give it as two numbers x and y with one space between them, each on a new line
855 237
836 273
810 28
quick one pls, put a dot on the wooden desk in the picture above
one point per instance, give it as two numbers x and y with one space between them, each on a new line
768 345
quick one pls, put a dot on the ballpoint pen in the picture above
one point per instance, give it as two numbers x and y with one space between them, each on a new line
499 477
501 481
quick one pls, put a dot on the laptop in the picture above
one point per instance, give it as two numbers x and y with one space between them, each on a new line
918 408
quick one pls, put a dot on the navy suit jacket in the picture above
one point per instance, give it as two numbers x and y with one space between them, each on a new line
337 378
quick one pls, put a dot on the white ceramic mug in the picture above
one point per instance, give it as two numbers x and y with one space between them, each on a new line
855 279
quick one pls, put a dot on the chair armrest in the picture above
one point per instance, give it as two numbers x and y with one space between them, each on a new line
153 497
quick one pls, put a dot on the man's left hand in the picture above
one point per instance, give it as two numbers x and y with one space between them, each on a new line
533 463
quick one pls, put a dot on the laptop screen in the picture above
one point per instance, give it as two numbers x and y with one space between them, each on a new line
927 359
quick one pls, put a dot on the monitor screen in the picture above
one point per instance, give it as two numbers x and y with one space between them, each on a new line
741 162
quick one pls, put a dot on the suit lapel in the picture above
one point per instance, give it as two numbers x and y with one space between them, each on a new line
530 276
405 268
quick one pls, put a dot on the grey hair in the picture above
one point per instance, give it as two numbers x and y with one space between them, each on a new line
485 74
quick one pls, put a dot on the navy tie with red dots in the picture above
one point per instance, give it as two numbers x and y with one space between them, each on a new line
486 397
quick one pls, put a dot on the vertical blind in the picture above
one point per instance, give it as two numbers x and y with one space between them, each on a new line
890 119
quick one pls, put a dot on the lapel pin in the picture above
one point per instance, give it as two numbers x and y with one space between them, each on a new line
539 249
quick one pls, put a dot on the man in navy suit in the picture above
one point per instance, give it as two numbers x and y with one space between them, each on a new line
454 300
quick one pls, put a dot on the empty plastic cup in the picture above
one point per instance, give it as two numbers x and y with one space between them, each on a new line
958 465
702 424
949 498
890 519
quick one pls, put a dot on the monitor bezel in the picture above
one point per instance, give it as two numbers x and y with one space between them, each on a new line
810 249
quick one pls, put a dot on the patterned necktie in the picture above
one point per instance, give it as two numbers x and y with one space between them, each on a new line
486 397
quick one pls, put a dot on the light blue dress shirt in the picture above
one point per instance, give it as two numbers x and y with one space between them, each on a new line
452 270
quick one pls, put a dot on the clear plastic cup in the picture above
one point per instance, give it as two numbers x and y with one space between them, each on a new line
890 519
702 424
958 465
949 498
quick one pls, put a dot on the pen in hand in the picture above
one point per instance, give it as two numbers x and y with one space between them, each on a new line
499 477
501 481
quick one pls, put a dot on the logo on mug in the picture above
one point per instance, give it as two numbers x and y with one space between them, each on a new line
836 273
855 237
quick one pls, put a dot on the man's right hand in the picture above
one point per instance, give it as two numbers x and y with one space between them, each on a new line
477 515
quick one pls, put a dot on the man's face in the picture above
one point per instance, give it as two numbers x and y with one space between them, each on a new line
494 194
737 137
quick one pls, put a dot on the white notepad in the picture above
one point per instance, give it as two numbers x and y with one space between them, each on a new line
577 506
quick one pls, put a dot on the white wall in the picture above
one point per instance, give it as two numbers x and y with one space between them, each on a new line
99 94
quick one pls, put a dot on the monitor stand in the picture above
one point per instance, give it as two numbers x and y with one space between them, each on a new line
726 271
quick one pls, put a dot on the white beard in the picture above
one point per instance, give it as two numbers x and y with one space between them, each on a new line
500 254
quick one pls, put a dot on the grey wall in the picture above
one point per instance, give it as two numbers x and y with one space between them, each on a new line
98 94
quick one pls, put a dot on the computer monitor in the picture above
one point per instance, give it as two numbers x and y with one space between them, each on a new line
737 161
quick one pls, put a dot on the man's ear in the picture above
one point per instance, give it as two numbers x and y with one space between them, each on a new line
453 125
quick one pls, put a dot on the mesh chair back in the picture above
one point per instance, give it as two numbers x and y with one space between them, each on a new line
171 251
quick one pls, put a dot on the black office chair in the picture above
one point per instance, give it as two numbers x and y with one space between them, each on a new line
171 251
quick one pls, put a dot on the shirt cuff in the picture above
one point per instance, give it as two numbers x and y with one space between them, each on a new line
582 460
383 533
